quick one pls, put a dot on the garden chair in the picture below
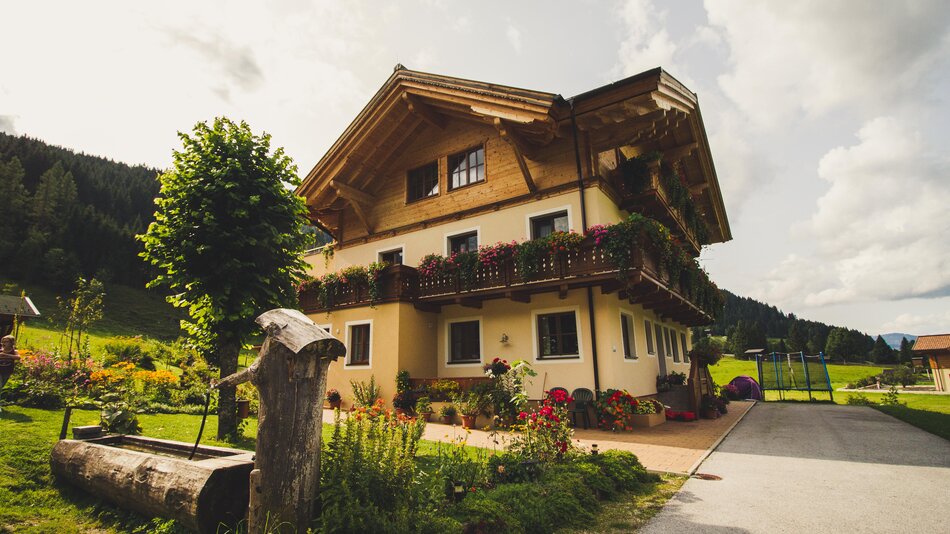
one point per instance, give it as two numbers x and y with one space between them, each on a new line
583 398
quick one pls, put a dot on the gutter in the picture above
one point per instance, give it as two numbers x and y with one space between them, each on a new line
590 290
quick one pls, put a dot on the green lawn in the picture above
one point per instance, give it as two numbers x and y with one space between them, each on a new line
32 503
929 412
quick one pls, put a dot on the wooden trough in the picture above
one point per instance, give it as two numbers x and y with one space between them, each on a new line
155 478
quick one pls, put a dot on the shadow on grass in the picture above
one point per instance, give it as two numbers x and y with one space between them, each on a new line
15 417
934 422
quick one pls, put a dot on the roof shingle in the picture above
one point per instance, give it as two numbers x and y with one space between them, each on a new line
934 342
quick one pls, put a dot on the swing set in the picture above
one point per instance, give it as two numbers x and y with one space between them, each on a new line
794 371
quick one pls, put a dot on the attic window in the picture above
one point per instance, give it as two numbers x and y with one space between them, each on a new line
466 168
423 182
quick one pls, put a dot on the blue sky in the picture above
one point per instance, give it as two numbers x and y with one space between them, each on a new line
827 120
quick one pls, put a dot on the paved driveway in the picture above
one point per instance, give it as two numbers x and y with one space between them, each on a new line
817 468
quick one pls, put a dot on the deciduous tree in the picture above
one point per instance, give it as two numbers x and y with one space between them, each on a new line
227 240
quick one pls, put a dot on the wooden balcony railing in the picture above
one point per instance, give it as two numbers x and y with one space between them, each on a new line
646 284
653 199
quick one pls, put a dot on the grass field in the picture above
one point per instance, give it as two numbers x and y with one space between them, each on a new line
929 412
34 503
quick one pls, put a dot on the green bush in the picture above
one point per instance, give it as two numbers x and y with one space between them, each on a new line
480 514
128 349
543 507
624 469
859 399
369 478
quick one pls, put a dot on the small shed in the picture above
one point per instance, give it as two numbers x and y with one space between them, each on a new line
13 310
936 349
751 354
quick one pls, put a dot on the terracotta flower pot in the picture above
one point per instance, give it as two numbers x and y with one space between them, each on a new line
710 413
335 405
448 419
468 421
425 416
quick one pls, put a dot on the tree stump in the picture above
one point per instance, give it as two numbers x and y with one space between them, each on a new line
290 374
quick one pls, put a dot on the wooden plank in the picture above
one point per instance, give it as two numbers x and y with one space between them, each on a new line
351 193
424 111
518 296
469 302
509 135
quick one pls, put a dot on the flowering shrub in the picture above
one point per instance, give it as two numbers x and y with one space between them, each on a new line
434 265
614 409
48 381
544 434
558 397
466 264
507 393
562 243
497 254
731 391
496 368
333 395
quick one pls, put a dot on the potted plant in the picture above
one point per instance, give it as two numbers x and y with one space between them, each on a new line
707 351
424 408
676 379
334 398
470 404
709 407
447 413
647 413
404 402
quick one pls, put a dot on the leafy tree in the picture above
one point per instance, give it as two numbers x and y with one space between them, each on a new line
797 336
227 240
746 335
15 197
906 351
80 311
882 352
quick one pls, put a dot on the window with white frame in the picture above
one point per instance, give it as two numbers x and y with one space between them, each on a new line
666 340
358 343
391 257
685 349
466 168
545 225
628 339
648 328
557 335
465 340
467 242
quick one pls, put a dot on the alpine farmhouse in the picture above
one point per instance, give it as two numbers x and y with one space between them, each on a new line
436 167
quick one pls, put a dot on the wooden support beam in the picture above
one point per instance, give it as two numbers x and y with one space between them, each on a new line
351 193
562 291
362 216
518 296
519 147
424 111
609 287
679 152
428 307
468 302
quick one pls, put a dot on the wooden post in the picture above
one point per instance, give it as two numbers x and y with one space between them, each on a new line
290 374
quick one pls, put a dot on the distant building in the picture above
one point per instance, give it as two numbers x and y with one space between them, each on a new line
936 348
13 310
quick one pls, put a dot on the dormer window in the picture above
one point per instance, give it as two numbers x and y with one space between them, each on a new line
466 168
423 182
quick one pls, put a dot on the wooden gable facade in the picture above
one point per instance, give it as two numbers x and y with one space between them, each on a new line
358 191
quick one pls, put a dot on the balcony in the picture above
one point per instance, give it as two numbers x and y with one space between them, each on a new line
649 195
644 282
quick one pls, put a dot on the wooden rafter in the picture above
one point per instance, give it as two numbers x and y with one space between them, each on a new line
358 199
424 111
518 146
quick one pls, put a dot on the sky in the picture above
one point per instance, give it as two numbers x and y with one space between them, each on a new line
828 121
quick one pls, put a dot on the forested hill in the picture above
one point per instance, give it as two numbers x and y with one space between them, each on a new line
67 214
749 323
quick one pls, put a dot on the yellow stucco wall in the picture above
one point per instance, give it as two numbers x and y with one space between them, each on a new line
402 337
503 225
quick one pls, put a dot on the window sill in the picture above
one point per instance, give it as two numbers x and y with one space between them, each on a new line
466 186
464 362
567 357
416 201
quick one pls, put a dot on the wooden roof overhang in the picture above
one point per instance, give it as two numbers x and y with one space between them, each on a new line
407 102
652 111
932 345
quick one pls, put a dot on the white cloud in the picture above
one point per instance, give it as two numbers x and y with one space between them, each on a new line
647 44
811 56
514 37
932 323
880 230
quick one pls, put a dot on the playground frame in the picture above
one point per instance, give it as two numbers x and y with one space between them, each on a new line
795 371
